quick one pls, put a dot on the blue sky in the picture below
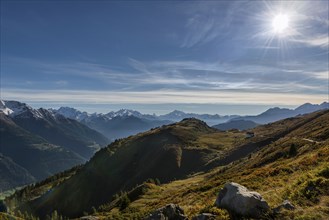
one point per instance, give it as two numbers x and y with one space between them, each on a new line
197 56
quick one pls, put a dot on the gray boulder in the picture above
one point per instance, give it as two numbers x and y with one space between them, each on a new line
205 216
286 204
240 202
168 212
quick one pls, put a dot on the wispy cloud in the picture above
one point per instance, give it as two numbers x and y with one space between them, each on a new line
324 75
321 41
221 76
183 75
201 30
160 97
207 21
61 83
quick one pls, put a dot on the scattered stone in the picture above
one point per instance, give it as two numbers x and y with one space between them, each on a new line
286 204
204 216
168 212
240 202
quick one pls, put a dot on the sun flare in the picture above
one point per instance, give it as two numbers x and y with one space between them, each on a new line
280 23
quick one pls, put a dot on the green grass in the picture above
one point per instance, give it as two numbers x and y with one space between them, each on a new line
272 170
276 178
5 216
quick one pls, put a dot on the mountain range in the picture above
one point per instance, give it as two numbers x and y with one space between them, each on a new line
113 125
37 143
173 116
190 161
125 122
275 114
33 141
208 118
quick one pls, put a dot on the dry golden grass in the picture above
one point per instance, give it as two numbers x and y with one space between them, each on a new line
272 170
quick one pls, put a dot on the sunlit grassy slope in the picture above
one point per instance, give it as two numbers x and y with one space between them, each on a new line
288 159
275 171
4 216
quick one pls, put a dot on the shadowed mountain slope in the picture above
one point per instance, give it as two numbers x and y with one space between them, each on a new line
68 133
55 129
121 126
166 153
294 166
12 175
31 153
281 161
236 124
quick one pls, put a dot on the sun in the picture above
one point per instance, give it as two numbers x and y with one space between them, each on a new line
280 23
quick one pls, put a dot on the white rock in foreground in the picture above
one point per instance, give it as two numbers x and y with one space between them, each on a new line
240 202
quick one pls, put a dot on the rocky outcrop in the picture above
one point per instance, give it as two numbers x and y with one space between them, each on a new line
240 202
168 212
286 204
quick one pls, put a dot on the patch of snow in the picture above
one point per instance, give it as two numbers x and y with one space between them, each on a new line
4 109
18 109
71 113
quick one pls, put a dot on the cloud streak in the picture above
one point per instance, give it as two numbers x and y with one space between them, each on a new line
185 75
159 97
321 41
204 22
219 76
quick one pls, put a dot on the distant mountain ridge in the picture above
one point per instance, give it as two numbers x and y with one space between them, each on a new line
35 143
113 125
125 122
55 128
208 118
80 116
275 114
236 124
175 115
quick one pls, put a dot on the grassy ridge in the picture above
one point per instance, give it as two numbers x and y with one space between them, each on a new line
288 159
274 171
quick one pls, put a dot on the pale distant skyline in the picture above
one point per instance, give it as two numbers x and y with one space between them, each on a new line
161 109
224 57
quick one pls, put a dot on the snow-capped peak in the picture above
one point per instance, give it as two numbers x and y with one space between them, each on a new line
123 113
127 112
71 113
18 109
4 109
177 113
68 112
